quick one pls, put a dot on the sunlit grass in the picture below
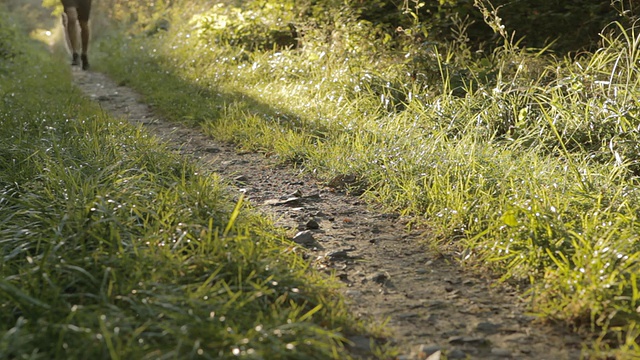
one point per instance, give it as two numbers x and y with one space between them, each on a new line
114 247
522 162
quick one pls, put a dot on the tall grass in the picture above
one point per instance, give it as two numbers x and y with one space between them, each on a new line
114 247
524 162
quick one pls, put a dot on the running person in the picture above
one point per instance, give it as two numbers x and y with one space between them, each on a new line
77 11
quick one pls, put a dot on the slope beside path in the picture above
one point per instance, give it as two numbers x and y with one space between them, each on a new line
432 304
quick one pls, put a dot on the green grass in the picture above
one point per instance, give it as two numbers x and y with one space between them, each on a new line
522 162
114 247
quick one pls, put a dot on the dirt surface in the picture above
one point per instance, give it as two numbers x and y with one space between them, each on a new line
434 306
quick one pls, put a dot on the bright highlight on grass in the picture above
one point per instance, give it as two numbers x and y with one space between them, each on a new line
523 162
113 247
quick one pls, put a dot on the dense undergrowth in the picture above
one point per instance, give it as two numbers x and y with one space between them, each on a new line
111 246
523 161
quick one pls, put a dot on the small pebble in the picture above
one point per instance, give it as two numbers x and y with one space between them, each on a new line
379 277
428 349
487 327
312 224
500 352
435 356
241 179
304 238
456 354
353 293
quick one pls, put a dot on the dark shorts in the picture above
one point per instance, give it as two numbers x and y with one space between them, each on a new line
82 6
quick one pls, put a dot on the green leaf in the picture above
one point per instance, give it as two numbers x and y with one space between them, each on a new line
20 296
510 218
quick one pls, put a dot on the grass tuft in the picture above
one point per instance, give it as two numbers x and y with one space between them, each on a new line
114 247
524 162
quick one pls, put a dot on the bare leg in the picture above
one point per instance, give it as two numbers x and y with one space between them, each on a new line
65 24
71 28
84 34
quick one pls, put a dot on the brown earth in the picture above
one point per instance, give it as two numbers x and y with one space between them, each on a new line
433 306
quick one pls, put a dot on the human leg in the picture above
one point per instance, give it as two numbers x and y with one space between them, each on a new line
70 21
85 34
84 10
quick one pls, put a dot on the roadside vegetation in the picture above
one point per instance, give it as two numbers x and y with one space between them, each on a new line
114 247
523 160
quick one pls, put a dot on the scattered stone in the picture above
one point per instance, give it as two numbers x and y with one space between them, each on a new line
340 254
527 318
353 293
450 334
456 354
304 238
525 350
290 201
516 337
407 316
295 194
315 196
295 182
428 349
435 356
454 281
293 201
104 97
487 327
452 295
500 352
434 304
379 277
341 181
241 179
312 224
212 150
432 318
475 340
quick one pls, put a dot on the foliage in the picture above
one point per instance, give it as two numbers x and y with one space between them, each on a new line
8 49
254 27
114 247
522 162
566 25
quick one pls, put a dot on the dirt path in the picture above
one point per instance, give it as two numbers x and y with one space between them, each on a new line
433 305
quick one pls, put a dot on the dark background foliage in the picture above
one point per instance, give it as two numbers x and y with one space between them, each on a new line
568 25
565 25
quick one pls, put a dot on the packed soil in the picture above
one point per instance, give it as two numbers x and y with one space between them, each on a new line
434 307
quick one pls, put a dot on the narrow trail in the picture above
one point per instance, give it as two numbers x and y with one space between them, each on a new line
431 303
